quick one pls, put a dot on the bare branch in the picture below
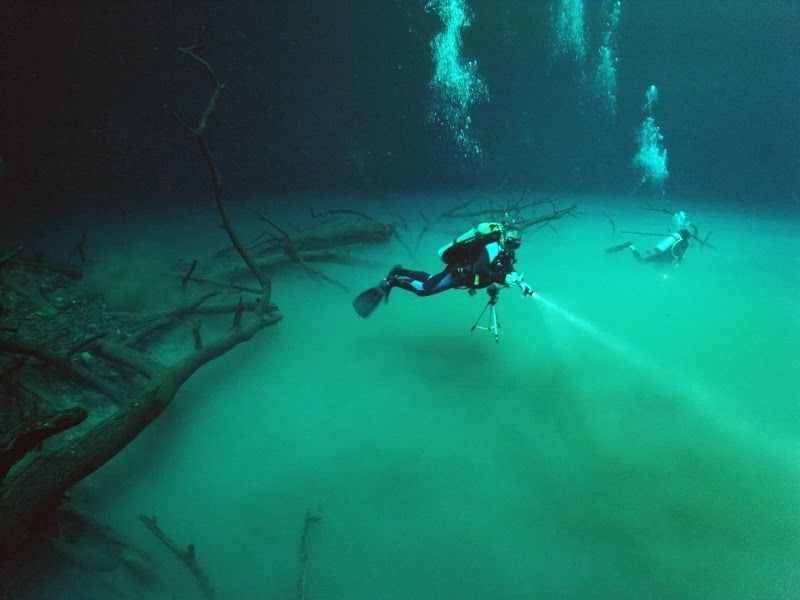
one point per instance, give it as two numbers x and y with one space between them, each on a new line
296 255
341 211
79 248
8 257
311 519
185 279
216 178
187 556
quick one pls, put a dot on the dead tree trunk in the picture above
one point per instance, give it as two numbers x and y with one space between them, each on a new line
40 486
40 340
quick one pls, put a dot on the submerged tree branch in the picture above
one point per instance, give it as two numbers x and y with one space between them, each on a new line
216 177
187 556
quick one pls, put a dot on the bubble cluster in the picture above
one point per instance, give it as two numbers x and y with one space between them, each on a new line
651 159
569 30
606 73
456 84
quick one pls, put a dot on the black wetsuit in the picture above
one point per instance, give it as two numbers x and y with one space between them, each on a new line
491 265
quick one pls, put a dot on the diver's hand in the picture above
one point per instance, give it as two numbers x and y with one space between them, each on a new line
514 278
526 289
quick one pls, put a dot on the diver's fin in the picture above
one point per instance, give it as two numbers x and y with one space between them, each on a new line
368 300
618 248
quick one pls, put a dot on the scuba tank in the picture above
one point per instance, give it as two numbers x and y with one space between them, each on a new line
463 247
675 243
668 242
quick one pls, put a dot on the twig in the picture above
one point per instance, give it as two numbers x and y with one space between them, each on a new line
514 210
658 209
224 284
79 248
296 255
154 322
198 339
311 518
425 228
453 212
642 233
187 556
188 276
703 241
613 224
237 316
340 211
162 320
404 244
524 224
7 258
403 224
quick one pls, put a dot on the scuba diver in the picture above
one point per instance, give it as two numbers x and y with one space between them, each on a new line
482 256
669 250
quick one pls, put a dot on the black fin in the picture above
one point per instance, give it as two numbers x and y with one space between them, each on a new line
367 301
618 248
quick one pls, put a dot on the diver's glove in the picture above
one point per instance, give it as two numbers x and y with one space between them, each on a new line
518 279
514 278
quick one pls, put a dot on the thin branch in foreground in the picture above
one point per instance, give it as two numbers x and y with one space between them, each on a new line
185 279
650 233
216 177
80 249
198 339
187 556
404 244
341 211
237 315
311 518
294 253
613 224
426 226
7 258
658 209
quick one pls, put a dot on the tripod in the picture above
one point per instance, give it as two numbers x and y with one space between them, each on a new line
493 325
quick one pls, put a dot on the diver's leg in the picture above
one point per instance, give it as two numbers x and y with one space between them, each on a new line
418 275
440 282
618 247
429 285
402 278
637 255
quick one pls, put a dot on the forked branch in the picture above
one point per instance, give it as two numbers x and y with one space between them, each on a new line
216 179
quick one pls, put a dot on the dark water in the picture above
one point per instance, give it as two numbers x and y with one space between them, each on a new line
634 434
326 96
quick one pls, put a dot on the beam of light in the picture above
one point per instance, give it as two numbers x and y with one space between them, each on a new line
634 357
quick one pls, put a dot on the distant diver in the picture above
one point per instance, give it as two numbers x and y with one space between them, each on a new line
669 250
482 256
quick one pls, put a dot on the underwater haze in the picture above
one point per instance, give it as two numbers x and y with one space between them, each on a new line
634 432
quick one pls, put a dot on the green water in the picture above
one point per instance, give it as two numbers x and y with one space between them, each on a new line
551 465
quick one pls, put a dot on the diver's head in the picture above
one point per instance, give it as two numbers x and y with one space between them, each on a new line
512 239
685 234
